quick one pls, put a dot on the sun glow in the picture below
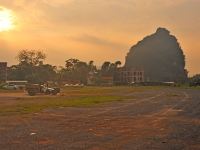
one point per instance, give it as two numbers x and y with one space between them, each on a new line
6 20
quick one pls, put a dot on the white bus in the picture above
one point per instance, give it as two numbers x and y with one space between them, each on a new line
18 84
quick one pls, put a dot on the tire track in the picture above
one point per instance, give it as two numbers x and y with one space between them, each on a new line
115 109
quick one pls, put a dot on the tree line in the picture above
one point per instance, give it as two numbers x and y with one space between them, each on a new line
31 67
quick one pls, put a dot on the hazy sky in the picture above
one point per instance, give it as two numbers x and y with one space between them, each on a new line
98 30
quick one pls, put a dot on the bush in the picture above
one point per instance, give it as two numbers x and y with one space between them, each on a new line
195 80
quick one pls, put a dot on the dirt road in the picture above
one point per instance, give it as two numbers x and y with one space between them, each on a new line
167 119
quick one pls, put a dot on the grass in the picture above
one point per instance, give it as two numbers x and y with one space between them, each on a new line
10 91
70 97
25 106
107 90
194 87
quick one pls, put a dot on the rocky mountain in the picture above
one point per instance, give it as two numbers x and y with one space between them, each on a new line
160 56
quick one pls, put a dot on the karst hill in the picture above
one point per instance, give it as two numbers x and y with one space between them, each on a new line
160 56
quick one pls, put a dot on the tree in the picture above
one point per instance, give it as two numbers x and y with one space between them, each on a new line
195 80
32 68
109 68
46 72
71 63
105 67
91 63
118 63
92 67
75 70
31 57
30 62
81 71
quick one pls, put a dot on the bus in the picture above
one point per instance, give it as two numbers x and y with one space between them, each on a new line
18 84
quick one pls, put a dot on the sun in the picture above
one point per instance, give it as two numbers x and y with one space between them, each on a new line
6 20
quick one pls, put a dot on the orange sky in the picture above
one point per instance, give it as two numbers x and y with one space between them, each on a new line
98 30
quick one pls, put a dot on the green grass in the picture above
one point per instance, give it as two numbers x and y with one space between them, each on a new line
108 90
194 87
70 97
32 105
10 91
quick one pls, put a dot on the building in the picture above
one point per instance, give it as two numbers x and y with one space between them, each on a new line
3 71
107 80
91 78
128 76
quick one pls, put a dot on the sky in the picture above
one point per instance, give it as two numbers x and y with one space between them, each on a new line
99 30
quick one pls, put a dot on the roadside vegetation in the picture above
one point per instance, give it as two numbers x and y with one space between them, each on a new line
32 68
195 80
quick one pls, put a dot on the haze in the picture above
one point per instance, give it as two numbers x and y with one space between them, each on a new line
97 30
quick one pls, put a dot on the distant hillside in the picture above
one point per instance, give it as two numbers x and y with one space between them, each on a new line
160 56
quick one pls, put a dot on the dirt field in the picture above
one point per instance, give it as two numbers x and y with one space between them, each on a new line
141 118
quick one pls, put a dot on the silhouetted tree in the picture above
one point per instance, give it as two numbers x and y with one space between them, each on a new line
91 66
76 70
105 67
31 57
31 67
109 68
195 80
118 63
71 63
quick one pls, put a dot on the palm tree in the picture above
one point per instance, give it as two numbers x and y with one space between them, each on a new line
105 67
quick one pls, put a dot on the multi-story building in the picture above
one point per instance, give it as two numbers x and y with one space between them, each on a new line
128 76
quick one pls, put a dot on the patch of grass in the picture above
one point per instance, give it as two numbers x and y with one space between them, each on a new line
71 97
10 91
194 87
107 90
31 105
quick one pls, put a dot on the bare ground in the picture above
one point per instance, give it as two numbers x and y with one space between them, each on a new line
167 119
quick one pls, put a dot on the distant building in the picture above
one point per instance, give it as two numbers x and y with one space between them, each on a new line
128 76
91 79
3 71
107 80
71 82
